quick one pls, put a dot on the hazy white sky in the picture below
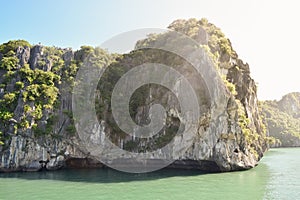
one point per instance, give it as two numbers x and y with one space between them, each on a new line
264 33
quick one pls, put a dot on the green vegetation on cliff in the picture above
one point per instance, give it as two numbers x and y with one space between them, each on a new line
31 88
231 69
36 90
10 47
283 119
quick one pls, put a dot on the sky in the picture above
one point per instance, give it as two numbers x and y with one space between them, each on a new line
264 33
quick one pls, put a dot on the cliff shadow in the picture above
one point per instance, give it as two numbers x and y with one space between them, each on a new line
101 175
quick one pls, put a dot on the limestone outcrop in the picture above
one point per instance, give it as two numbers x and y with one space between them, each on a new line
38 129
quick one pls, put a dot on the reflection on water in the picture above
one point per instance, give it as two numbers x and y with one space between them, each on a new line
99 175
276 177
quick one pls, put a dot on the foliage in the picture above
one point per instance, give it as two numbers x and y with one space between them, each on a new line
40 90
12 45
282 121
19 85
217 41
5 115
251 136
1 142
7 103
9 98
40 86
9 63
230 86
37 88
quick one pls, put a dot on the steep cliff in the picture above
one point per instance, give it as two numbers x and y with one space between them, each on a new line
38 129
36 115
283 119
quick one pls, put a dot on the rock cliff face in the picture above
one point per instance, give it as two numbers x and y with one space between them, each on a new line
38 129
283 120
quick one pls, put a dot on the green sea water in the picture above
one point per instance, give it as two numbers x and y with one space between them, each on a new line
276 177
